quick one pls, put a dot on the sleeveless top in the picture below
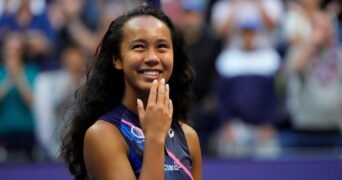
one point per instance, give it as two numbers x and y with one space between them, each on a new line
177 161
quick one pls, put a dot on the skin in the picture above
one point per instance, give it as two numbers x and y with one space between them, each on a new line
146 46
321 37
248 38
13 61
224 29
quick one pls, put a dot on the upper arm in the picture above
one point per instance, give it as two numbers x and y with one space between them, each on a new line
195 150
105 153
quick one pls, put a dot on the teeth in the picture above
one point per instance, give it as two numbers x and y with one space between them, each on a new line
151 73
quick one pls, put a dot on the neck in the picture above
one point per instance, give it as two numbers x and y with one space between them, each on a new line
130 99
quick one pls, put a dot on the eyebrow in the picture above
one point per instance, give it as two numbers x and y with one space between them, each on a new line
138 40
144 41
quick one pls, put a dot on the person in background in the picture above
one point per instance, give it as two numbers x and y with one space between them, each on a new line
334 9
203 49
129 120
16 100
53 94
84 21
247 97
313 72
29 17
228 14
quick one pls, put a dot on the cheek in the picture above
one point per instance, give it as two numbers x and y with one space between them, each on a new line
130 62
169 65
168 59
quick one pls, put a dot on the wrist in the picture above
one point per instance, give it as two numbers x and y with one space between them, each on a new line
153 139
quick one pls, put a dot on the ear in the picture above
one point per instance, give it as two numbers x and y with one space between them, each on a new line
117 63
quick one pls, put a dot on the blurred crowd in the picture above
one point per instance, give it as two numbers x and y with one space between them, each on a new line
268 72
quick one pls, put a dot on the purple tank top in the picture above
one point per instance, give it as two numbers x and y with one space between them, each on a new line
177 164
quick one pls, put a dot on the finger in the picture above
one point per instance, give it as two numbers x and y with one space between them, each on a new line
170 107
167 93
161 92
141 109
153 92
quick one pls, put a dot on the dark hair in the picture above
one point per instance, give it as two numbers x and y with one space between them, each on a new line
104 87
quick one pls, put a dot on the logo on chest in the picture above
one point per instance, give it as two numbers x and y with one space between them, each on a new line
171 167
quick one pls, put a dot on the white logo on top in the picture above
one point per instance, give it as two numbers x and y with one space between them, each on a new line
171 133
171 167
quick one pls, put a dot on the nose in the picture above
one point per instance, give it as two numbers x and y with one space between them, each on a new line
152 58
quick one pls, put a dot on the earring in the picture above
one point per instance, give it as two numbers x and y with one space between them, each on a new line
117 65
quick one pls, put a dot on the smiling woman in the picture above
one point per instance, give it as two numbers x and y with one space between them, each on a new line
128 122
146 53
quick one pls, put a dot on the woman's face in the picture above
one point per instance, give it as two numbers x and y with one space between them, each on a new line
146 53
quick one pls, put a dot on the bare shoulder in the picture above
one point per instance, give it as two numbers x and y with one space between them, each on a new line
189 131
101 128
102 139
194 149
105 152
191 138
103 133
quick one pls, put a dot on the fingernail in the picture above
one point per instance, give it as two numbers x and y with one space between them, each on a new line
167 87
138 101
162 81
155 81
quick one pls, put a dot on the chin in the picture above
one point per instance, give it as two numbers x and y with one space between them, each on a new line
146 86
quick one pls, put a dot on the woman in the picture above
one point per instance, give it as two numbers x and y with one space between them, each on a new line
17 79
130 117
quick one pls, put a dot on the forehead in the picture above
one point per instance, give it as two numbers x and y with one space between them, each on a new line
146 25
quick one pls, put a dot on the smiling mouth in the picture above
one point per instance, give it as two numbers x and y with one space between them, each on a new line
151 73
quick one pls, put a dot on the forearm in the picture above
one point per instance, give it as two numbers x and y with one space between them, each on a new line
5 87
302 57
153 160
226 28
24 89
266 18
82 35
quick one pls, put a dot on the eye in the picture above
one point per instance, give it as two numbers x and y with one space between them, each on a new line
163 46
138 46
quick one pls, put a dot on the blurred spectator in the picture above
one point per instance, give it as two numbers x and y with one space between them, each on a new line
29 17
228 14
54 93
247 67
173 9
314 68
334 8
203 49
247 97
16 82
72 21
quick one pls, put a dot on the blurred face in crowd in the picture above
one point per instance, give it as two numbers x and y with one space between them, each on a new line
322 29
310 4
13 47
25 4
74 60
191 25
248 38
191 20
13 54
